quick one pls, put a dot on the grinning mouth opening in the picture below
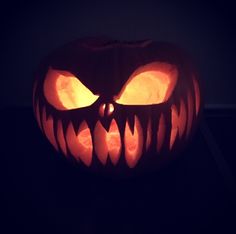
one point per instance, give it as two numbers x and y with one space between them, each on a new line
84 144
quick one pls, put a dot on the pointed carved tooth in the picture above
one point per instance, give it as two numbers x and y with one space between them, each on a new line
107 142
48 128
113 142
85 144
174 125
190 113
161 133
178 122
76 125
149 135
130 121
37 113
72 141
80 145
100 143
182 118
177 106
173 137
61 137
197 96
106 124
133 143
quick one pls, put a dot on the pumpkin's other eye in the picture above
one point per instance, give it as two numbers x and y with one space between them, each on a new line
149 84
64 91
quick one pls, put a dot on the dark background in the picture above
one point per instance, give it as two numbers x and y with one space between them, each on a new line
43 193
32 29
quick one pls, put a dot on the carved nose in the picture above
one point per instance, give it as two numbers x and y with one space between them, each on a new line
106 109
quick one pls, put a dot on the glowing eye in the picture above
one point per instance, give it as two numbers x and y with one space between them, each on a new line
149 84
64 91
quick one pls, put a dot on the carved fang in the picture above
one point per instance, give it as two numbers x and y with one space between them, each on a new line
107 142
133 143
80 145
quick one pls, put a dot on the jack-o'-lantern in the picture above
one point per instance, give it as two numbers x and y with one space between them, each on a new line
116 106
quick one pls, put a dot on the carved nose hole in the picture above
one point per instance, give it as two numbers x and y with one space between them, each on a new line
106 109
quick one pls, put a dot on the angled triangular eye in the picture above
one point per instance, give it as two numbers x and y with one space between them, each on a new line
64 91
150 84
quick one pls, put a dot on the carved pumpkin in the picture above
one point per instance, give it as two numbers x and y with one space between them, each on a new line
117 105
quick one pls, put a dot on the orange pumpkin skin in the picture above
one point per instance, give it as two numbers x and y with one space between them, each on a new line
117 107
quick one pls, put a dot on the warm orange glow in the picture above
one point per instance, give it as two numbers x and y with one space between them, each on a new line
173 136
161 133
149 135
110 109
61 138
178 122
174 125
106 109
107 143
100 143
197 95
48 129
102 110
133 143
113 142
190 113
150 84
182 118
80 145
64 91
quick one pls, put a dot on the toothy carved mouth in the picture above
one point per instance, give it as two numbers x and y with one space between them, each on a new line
107 142
85 143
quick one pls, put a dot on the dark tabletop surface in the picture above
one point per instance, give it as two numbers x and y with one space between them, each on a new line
43 193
